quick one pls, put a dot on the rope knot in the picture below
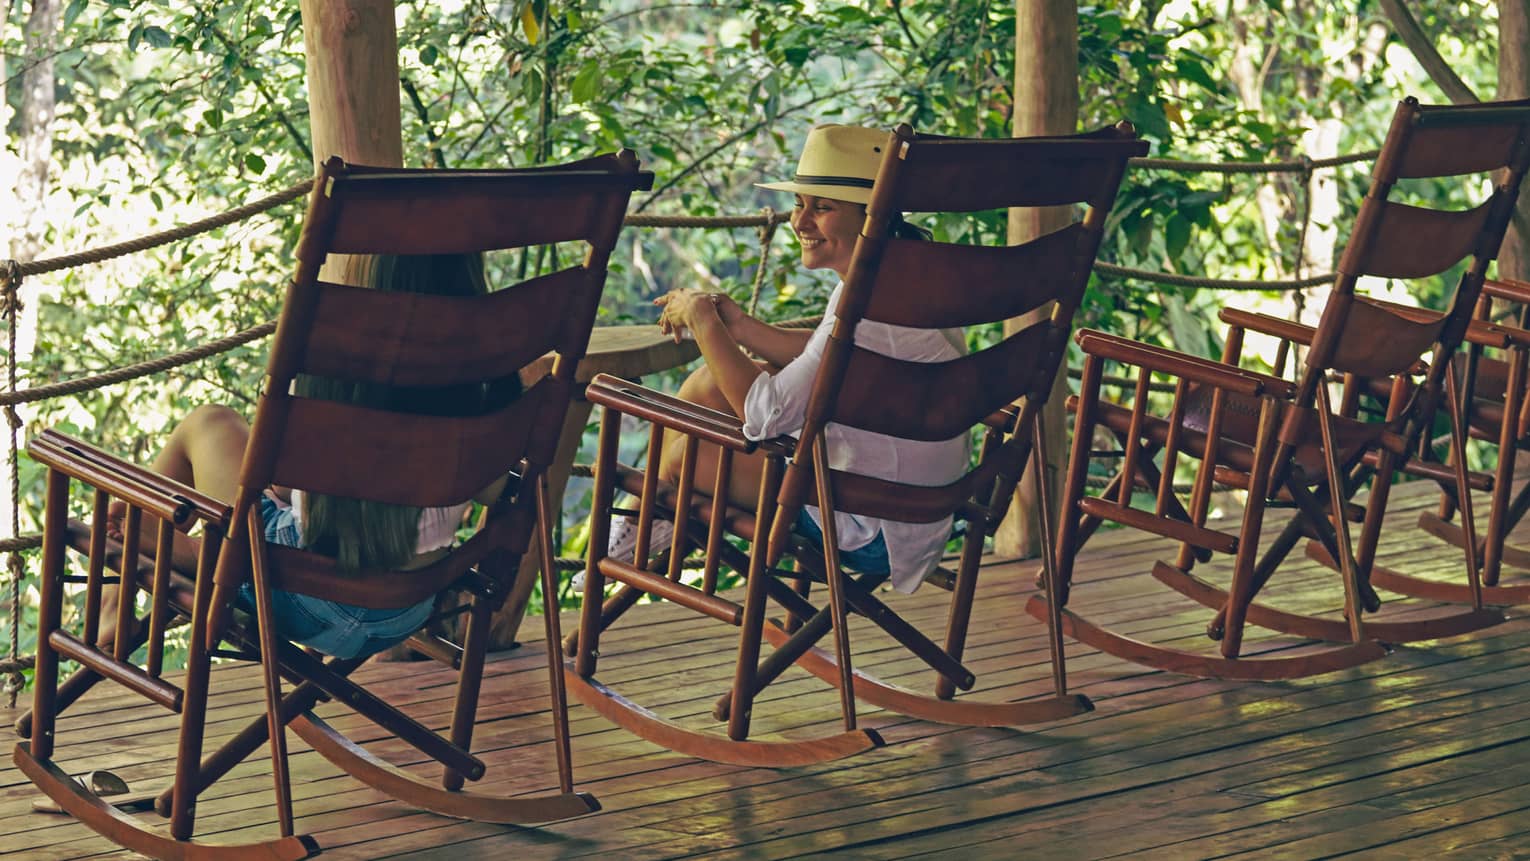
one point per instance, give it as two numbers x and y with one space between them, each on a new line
766 232
10 302
17 566
13 417
15 682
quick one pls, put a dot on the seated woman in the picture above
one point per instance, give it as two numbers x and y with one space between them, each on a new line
207 448
831 189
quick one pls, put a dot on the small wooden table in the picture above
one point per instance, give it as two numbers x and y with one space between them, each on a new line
625 351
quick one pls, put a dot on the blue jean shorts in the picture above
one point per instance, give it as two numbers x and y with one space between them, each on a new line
341 630
870 559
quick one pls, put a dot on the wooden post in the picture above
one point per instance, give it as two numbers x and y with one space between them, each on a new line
1046 103
353 89
1514 83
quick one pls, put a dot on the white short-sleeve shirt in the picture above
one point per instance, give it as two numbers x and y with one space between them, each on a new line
777 404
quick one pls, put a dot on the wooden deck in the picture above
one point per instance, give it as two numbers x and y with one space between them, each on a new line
1423 753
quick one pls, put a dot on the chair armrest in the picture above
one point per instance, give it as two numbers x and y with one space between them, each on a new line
1192 368
1507 288
669 411
157 494
1499 335
1004 418
1275 327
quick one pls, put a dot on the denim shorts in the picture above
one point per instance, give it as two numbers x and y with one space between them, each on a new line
341 630
870 559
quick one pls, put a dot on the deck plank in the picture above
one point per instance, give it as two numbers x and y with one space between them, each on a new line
1426 752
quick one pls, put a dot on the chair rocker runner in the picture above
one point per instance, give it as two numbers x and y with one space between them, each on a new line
424 342
1289 443
999 391
1498 413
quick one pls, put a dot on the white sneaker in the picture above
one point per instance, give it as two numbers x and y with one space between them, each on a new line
623 540
624 535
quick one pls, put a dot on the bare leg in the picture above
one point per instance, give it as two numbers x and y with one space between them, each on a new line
205 451
744 484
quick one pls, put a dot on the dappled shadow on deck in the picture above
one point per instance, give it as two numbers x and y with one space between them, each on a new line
1425 751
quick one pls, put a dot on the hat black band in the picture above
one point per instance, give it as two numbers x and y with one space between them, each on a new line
855 181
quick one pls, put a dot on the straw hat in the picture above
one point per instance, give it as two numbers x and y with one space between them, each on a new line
838 162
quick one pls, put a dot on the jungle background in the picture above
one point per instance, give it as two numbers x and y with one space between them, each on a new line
124 117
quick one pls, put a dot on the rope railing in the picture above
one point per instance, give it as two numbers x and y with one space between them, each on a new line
1177 280
141 369
13 272
154 240
1302 165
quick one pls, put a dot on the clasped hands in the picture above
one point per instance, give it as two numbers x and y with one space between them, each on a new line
689 309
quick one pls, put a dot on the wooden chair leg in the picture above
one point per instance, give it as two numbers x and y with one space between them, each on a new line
960 614
1068 539
835 577
752 624
475 644
590 623
1458 434
1241 592
1499 512
49 616
182 795
1048 558
1352 601
556 691
266 624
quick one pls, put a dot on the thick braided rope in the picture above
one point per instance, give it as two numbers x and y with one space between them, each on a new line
1218 283
1297 166
143 243
766 232
30 541
142 369
769 217
14 680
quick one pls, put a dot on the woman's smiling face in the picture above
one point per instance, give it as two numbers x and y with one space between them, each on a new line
827 229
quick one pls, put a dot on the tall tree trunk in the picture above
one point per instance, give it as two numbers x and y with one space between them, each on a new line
1250 63
353 88
34 146
1046 103
35 125
27 221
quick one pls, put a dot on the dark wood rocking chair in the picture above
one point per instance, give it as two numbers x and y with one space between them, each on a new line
1498 414
998 391
354 334
1288 442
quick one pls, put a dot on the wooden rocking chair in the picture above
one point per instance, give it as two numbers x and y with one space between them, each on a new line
1497 413
999 391
329 447
1288 442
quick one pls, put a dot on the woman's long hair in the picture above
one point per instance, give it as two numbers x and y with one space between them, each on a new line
361 533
